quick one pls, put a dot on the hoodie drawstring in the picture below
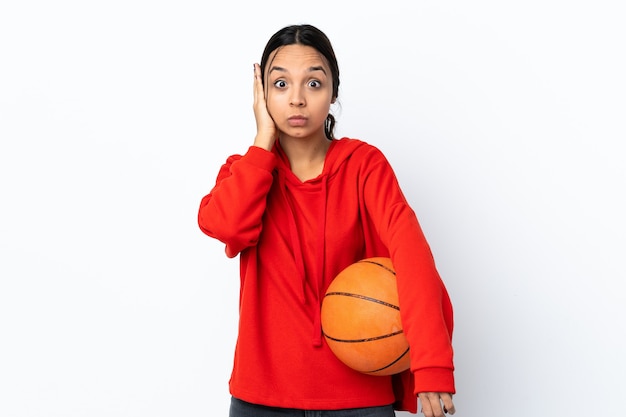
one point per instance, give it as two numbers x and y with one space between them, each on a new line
295 239
317 322
316 283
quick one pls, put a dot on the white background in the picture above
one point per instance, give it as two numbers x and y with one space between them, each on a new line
504 122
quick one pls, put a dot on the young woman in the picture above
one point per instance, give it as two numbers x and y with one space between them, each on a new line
298 207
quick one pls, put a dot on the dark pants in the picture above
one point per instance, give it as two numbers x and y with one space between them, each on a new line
240 408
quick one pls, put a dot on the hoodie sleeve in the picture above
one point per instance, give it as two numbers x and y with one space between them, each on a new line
425 307
232 212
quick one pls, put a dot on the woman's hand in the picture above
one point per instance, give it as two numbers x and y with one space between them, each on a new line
431 404
266 128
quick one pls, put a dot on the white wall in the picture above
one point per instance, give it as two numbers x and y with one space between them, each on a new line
503 121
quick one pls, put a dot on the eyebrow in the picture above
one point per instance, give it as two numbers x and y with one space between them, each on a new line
310 69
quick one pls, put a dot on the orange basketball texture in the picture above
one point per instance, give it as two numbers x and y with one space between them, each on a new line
361 318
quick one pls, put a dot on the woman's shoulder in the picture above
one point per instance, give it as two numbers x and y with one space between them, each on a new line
359 147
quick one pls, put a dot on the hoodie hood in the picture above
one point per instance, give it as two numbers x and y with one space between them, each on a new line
338 153
307 203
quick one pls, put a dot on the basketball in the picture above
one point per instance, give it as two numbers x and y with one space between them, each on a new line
361 318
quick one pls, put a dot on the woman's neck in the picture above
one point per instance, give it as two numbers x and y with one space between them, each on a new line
306 156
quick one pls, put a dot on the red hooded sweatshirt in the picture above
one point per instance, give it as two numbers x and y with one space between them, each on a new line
293 238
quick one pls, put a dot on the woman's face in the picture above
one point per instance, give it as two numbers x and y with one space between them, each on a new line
298 91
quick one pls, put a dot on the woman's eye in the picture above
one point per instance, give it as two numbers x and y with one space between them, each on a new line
280 83
314 83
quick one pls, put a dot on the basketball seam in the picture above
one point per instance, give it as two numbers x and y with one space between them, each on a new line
363 297
379 264
369 339
391 364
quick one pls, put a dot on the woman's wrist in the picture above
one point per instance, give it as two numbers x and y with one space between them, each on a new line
262 141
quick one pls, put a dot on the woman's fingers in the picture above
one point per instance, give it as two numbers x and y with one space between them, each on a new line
266 128
432 404
258 85
448 405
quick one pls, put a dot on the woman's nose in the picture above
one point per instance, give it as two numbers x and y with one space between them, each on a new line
297 99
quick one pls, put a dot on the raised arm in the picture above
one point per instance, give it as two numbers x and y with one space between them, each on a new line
232 212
